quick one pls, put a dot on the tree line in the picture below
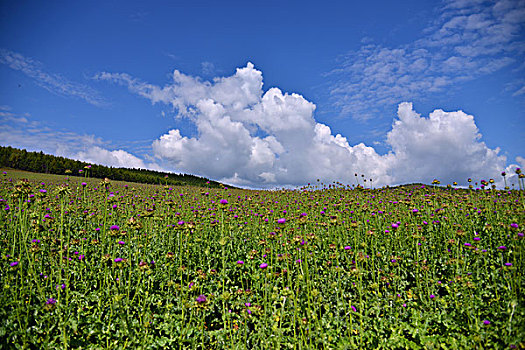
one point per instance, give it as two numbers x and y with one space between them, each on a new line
39 162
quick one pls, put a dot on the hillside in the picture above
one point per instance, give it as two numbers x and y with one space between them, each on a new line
39 162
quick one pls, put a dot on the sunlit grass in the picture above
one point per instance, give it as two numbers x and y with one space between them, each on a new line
119 265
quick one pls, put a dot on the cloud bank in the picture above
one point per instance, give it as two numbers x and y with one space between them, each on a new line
250 137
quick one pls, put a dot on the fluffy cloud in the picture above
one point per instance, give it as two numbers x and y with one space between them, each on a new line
446 145
251 137
117 158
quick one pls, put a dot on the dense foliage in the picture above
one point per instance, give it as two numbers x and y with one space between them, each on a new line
44 163
102 264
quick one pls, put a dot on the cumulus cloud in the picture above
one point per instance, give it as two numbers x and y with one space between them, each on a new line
117 158
468 39
251 137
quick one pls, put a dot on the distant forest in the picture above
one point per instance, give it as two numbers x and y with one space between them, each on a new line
39 162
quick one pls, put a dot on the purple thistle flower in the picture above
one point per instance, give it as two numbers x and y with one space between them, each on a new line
51 301
508 264
281 221
348 247
514 225
249 311
240 262
114 228
263 265
432 296
353 308
121 242
201 299
468 244
395 225
117 260
224 201
247 304
13 264
502 247
487 322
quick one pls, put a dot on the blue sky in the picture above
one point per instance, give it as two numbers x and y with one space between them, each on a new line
399 91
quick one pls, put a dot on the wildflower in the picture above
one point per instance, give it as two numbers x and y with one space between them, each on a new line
514 225
487 322
468 244
502 247
51 301
201 299
263 265
353 308
281 221
240 262
121 242
508 264
395 225
224 201
114 228
348 247
247 304
117 260
13 264
432 296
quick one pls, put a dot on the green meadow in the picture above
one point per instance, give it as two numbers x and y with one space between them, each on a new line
90 263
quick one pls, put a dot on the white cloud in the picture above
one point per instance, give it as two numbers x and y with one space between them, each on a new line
251 137
53 83
467 40
117 158
446 146
21 132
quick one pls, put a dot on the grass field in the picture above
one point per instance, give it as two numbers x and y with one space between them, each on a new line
88 263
